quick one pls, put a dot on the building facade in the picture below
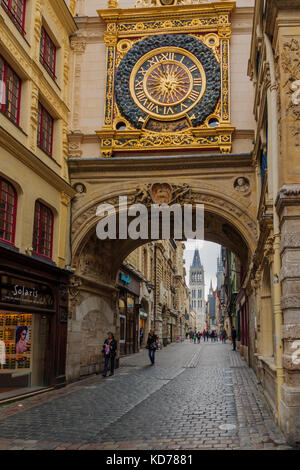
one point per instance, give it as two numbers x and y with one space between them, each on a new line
197 291
163 299
35 193
92 113
211 309
273 294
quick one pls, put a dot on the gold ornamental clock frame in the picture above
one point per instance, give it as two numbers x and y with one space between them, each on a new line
166 83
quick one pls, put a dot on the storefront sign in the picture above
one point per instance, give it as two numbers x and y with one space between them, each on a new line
143 314
125 278
20 292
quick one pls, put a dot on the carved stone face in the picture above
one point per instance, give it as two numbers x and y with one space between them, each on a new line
161 193
242 185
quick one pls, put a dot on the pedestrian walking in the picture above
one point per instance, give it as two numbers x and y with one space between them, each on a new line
224 336
198 337
109 351
152 343
207 334
141 336
195 337
233 336
204 335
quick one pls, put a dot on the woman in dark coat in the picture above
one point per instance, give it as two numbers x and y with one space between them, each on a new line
109 350
152 346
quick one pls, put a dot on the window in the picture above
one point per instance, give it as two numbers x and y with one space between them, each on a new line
8 211
10 92
42 231
16 10
45 130
47 53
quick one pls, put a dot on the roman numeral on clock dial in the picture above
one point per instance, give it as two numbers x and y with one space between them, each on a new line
168 56
194 95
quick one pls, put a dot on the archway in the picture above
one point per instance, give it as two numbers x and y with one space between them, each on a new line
227 221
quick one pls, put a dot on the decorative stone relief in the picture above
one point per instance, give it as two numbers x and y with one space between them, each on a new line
290 59
34 116
79 188
94 262
159 193
78 46
75 296
242 186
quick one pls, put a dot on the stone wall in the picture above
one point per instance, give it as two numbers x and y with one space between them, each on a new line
87 331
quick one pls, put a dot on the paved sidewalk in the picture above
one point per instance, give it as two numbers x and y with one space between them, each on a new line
183 402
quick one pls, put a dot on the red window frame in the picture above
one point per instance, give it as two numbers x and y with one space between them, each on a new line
42 242
48 53
12 86
45 130
16 9
8 213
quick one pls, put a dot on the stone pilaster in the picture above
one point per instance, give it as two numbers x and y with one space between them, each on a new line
288 207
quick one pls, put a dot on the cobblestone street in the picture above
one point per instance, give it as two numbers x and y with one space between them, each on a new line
180 403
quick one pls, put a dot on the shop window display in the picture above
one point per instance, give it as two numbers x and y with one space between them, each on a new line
22 350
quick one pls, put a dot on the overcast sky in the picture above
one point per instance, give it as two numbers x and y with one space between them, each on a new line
208 255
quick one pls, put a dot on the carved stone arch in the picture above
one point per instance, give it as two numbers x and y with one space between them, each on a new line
233 212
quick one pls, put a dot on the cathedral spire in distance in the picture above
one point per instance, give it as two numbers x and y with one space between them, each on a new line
196 261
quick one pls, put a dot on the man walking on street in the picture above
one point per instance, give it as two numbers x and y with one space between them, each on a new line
233 336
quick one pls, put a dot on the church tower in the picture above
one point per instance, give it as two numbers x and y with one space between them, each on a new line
219 273
197 291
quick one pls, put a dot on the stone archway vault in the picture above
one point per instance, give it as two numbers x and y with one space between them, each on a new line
230 220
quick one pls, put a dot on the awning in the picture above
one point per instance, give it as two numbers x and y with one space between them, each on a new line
143 314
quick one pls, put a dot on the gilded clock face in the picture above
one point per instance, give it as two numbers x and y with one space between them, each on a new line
167 82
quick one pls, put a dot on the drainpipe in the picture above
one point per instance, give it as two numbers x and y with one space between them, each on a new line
274 153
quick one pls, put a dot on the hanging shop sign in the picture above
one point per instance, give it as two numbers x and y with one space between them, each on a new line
143 314
19 292
125 278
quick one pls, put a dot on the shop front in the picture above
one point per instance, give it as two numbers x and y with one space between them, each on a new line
172 333
129 292
33 324
143 327
242 326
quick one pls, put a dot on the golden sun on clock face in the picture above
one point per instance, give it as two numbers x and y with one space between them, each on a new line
167 82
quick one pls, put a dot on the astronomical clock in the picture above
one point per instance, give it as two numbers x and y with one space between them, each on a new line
167 77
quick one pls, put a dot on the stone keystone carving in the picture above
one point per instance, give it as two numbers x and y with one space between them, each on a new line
164 193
